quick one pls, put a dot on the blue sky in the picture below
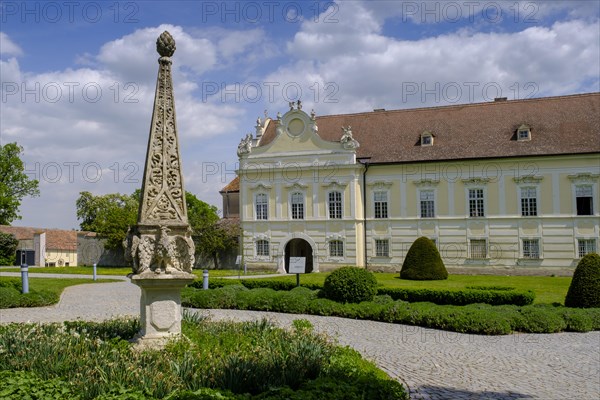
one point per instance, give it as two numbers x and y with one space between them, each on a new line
78 77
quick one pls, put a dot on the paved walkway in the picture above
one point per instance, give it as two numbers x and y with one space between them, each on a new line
433 364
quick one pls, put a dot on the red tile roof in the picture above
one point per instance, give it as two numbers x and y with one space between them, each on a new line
56 239
233 186
559 125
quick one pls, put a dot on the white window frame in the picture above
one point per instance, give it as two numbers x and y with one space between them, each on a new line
527 130
578 187
483 201
375 247
524 254
536 198
426 136
332 248
487 248
341 204
387 204
292 194
585 179
591 249
419 202
257 214
259 246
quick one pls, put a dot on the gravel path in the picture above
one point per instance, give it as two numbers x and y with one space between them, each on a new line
433 364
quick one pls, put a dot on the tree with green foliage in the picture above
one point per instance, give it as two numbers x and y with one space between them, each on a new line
111 215
209 237
423 262
8 248
108 215
14 183
584 291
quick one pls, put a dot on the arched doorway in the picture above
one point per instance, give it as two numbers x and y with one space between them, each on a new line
299 248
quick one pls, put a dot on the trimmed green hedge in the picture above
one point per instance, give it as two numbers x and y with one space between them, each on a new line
473 318
476 294
461 297
350 285
423 262
584 291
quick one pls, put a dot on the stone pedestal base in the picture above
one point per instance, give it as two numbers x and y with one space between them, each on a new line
160 307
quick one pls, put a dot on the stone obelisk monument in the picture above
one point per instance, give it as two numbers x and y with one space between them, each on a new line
160 245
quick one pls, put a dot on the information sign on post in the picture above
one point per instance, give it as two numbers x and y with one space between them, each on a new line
297 266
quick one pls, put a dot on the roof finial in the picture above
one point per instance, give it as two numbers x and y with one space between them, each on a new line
165 45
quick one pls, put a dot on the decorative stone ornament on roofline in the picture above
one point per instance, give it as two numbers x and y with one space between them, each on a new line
160 246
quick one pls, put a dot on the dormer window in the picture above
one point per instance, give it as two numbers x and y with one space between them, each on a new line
523 133
427 139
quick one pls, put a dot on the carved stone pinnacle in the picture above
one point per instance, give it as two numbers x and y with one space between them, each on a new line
165 45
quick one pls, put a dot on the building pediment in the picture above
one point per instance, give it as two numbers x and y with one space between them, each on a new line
297 133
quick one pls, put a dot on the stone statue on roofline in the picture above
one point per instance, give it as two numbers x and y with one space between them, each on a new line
348 142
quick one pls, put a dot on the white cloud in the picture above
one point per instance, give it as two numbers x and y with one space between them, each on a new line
560 59
8 47
87 128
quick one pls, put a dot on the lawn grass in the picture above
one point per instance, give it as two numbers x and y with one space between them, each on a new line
547 289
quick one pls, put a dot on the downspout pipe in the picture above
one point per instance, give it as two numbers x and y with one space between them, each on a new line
365 164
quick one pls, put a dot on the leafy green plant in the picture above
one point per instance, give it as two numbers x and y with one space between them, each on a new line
584 291
350 285
218 360
423 262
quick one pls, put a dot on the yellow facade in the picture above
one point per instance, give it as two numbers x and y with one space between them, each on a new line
497 213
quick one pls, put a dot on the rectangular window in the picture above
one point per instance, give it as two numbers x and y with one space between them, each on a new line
262 247
523 134
336 248
478 248
586 246
583 195
382 248
531 248
528 201
335 205
261 206
381 205
476 203
297 206
427 203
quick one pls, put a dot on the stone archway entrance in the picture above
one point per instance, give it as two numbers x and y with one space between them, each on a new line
299 248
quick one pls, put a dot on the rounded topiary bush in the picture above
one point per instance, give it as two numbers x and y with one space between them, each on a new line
584 291
350 285
423 262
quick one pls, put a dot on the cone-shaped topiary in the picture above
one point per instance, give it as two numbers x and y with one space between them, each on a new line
423 262
584 291
350 285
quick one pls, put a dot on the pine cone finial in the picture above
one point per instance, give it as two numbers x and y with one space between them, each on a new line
165 45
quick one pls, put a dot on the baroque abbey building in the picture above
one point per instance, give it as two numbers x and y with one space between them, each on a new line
504 186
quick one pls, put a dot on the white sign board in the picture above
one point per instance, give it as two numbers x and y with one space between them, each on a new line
238 260
297 265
